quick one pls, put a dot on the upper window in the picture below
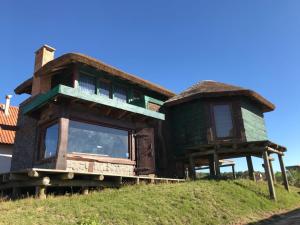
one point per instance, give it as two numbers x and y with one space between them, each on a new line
87 84
120 93
49 146
104 89
223 120
96 139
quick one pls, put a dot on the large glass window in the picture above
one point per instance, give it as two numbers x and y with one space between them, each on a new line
100 140
104 89
223 120
87 84
120 94
50 141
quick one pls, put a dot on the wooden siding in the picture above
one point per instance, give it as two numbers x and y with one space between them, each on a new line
188 126
254 123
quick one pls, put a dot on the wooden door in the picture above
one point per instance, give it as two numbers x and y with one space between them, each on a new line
145 151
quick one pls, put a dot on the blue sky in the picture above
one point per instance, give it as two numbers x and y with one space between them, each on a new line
254 44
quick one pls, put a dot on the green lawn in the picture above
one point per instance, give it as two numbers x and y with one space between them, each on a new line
200 202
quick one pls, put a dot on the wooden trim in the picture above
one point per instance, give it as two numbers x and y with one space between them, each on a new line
61 161
92 158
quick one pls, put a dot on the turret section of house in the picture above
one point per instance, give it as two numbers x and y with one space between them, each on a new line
212 121
86 116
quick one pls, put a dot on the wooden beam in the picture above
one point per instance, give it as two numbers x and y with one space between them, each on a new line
274 151
216 165
272 171
33 173
250 168
212 169
233 171
65 176
283 173
122 115
192 172
269 176
40 192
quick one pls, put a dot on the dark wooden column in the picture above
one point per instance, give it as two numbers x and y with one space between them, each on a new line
233 171
269 175
216 165
250 167
283 173
272 172
212 169
192 172
61 161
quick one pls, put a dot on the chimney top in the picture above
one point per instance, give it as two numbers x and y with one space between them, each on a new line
47 47
42 56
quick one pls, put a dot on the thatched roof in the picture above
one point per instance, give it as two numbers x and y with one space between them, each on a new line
67 59
217 89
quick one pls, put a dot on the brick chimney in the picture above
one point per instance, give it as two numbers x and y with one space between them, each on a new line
42 56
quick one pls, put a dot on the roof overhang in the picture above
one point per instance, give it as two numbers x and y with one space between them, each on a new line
71 58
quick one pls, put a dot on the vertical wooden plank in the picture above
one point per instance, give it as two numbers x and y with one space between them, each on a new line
250 167
268 175
216 165
192 171
212 169
40 192
233 172
283 172
61 161
272 172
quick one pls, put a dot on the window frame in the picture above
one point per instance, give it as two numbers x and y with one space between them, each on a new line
80 73
213 121
130 139
101 80
115 85
41 141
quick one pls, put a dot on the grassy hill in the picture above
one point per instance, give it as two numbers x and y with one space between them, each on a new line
200 202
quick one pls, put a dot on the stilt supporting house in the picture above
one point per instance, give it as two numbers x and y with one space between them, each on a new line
250 167
283 172
268 174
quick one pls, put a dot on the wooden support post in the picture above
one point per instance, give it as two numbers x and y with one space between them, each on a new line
216 165
137 180
233 171
192 171
40 192
212 169
269 175
85 191
272 172
283 173
15 192
250 168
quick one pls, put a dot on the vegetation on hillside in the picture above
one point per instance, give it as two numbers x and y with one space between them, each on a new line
199 202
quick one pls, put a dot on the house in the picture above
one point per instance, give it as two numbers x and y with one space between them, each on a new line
213 121
87 116
8 124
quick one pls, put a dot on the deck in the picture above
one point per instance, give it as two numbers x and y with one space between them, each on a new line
41 179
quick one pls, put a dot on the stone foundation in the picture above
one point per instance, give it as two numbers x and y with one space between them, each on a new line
97 167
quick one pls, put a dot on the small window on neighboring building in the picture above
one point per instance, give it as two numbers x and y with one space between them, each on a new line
120 93
87 84
49 144
223 120
104 89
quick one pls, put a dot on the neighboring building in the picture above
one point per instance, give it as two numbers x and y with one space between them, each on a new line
8 124
212 121
86 116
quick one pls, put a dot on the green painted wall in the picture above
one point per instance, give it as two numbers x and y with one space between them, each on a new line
188 125
254 122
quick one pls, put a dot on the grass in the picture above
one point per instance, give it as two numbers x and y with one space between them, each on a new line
199 202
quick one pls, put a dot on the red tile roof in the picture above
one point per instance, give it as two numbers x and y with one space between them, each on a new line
8 125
